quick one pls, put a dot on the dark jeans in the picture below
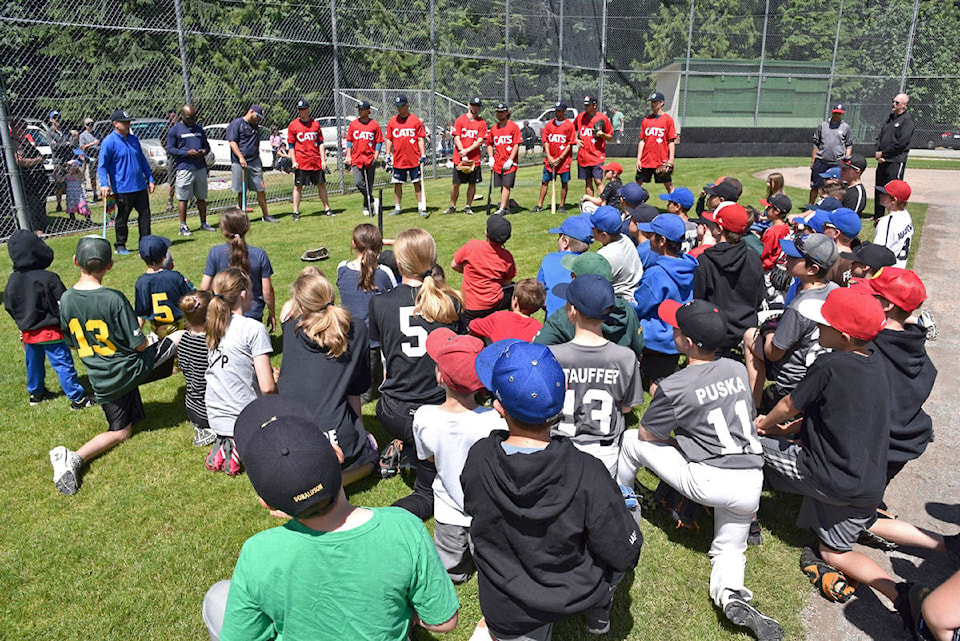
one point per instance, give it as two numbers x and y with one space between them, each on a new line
139 200
886 171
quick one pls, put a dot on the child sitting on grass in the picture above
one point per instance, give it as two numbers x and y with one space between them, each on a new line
517 322
158 290
488 269
192 359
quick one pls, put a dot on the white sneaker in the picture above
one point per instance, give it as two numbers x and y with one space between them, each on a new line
366 212
66 466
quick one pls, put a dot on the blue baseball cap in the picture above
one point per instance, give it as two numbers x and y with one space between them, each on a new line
820 218
681 195
606 219
670 226
832 173
577 227
525 377
153 249
847 221
827 204
633 194
591 294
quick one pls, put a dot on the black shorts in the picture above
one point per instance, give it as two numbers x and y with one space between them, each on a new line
397 418
504 180
472 178
656 366
589 171
646 173
123 411
309 177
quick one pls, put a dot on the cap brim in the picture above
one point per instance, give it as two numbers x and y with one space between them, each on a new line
790 248
487 358
850 256
812 309
667 311
437 339
646 227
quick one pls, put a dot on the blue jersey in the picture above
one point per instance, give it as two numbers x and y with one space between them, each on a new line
219 259
158 294
180 140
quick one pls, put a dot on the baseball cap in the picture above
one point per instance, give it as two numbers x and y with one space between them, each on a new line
730 216
818 221
363 104
633 194
606 219
838 108
898 189
730 180
257 109
681 195
502 106
153 249
656 96
902 287
846 220
455 356
855 161
848 310
476 101
642 213
88 121
560 105
93 252
778 201
872 255
831 174
817 247
613 166
829 204
303 104
53 114
577 227
699 320
498 229
591 294
724 190
670 226
525 377
120 115
588 263
589 100
290 462
400 100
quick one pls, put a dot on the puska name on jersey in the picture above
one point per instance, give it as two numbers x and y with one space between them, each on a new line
363 135
306 136
716 391
404 132
503 140
557 138
592 375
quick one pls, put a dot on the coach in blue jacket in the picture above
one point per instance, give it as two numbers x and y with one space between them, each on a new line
125 169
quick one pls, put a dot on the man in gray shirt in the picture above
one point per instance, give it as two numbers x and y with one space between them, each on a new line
90 145
832 141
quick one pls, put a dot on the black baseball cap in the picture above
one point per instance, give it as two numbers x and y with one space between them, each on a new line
120 115
855 161
476 101
400 100
778 201
153 249
498 229
589 100
303 104
502 106
93 252
873 256
290 462
699 320
363 104
656 96
725 190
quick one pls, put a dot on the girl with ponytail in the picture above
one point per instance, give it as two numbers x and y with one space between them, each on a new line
238 363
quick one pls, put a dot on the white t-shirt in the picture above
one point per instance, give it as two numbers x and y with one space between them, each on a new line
895 231
448 437
231 379
625 265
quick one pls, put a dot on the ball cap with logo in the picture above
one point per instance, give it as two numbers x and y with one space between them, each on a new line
838 108
303 104
93 248
855 161
525 377
455 356
656 96
400 100
902 287
476 100
363 104
590 294
290 462
257 109
847 310
699 320
120 115
898 189
589 100
780 202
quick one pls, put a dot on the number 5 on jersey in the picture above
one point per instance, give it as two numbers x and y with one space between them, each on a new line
417 347
161 313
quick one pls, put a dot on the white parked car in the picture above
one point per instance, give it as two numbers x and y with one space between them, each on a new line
328 126
38 136
539 123
217 137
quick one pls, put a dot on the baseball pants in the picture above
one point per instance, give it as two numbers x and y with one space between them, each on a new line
733 494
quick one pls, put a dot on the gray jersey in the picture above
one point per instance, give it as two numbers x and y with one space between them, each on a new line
710 409
600 380
832 141
799 337
232 382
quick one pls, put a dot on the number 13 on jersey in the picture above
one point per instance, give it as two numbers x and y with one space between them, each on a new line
101 333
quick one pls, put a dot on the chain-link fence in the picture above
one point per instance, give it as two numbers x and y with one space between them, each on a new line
772 64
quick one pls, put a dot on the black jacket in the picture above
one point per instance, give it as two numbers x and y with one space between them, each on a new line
911 374
731 277
32 294
894 138
549 528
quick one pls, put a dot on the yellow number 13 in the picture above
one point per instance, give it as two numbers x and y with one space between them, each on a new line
100 331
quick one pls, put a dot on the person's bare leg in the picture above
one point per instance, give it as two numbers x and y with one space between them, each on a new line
587 186
471 192
455 195
397 194
862 568
418 190
813 196
668 187
202 209
904 533
563 194
940 611
753 359
102 442
543 194
262 201
297 196
504 198
182 210
322 192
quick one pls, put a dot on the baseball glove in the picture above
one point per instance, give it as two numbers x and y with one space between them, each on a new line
780 279
466 166
389 465
770 325
683 511
832 584
664 168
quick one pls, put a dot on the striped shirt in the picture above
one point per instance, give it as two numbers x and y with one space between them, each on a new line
192 356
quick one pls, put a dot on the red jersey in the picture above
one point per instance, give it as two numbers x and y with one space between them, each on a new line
656 132
485 267
505 141
772 254
404 136
469 131
364 138
593 150
505 324
307 141
559 138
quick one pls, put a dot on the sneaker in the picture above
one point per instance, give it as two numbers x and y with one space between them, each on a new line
537 209
915 596
217 455
122 251
501 212
929 324
66 469
755 537
366 213
562 209
313 255
185 231
296 216
631 501
328 212
468 211
875 541
423 213
203 436
45 395
952 543
597 620
744 615
231 464
270 219
84 402
206 227
902 605
395 211
450 210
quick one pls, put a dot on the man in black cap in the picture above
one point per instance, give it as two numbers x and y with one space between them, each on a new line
658 144
329 552
469 136
832 141
243 134
851 168
364 140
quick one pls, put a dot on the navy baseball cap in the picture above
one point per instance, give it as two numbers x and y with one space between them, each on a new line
681 195
838 108
153 249
670 226
656 96
833 173
525 377
606 219
828 204
257 109
400 100
476 101
120 115
577 227
502 106
363 104
590 294
778 201
699 320
303 104
633 194
561 105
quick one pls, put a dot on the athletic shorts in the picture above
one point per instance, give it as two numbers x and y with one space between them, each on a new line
656 366
128 409
191 184
505 180
474 177
819 166
254 175
590 171
303 177
646 173
543 633
410 175
564 176
455 549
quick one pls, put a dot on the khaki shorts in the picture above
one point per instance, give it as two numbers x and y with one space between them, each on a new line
191 184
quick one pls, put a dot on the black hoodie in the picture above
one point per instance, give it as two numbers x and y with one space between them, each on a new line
32 295
731 277
911 374
549 529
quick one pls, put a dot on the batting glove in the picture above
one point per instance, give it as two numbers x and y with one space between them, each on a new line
423 160
507 164
490 162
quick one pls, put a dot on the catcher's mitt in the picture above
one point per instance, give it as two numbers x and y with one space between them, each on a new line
685 513
832 584
466 166
389 465
664 168
780 279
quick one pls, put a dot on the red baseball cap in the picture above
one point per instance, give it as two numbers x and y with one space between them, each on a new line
848 310
456 356
902 287
898 189
613 166
730 216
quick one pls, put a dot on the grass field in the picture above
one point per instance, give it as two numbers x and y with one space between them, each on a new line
131 555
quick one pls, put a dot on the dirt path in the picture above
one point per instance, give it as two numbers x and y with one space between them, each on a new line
927 491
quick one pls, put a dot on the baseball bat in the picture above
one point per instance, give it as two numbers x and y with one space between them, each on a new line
490 192
423 191
553 192
380 212
243 189
104 217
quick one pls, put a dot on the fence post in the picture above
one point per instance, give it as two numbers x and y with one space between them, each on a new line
560 57
833 61
686 73
16 187
506 51
603 51
337 103
184 63
763 55
433 90
908 51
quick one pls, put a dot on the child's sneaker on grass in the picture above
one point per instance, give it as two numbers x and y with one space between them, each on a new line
217 455
66 469
83 403
43 395
231 463
203 436
742 614
597 619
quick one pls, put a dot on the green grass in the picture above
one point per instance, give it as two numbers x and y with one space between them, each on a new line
132 554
